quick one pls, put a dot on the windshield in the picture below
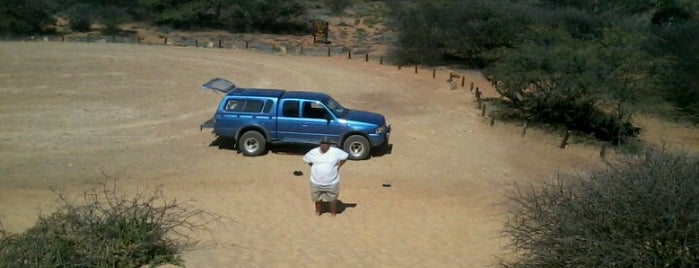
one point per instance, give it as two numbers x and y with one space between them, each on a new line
335 107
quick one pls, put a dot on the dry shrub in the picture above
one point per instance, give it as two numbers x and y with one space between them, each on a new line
640 212
104 229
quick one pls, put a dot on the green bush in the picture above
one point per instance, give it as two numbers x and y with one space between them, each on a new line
680 79
338 6
270 16
24 16
639 212
112 17
105 229
80 18
457 32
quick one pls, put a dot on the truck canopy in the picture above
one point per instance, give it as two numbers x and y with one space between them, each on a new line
256 92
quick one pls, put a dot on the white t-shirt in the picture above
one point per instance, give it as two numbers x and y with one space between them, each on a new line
324 169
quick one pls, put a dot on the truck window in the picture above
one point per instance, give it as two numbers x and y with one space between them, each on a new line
268 106
253 106
233 105
245 106
313 110
290 109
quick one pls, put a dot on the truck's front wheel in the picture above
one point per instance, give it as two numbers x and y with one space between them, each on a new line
357 147
252 143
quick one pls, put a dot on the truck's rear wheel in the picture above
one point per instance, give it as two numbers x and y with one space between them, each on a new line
252 143
357 147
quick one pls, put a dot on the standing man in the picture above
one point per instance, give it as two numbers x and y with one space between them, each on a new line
325 162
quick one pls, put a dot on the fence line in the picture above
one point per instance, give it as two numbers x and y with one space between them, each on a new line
238 42
360 53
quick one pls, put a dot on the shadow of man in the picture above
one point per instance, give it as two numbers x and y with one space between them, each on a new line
341 206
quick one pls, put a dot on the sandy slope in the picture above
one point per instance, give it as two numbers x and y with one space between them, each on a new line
73 114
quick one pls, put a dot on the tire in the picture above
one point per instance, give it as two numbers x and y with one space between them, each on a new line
252 143
357 147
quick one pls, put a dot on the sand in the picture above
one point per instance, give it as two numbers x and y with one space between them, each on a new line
73 115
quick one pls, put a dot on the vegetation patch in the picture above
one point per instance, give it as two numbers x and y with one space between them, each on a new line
639 212
105 229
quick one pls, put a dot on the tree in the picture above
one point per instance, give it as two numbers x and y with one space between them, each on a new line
186 14
585 85
265 15
602 6
24 16
678 42
447 31
337 6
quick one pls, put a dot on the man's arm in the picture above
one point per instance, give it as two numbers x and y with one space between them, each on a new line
309 157
340 163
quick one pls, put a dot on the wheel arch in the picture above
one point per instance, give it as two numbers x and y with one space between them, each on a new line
352 133
252 128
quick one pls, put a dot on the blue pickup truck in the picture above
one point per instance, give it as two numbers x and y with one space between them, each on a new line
257 117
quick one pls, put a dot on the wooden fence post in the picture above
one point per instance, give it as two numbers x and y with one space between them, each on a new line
246 44
380 60
349 54
471 86
463 80
492 119
524 129
434 72
220 43
415 68
328 51
603 152
478 97
366 57
483 110
165 42
564 142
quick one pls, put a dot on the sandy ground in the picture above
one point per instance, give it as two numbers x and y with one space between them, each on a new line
75 114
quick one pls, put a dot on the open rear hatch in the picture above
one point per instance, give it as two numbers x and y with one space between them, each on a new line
220 86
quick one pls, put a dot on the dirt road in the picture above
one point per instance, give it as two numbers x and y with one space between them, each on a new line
74 114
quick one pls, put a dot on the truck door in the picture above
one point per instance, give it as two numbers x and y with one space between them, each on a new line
289 121
318 122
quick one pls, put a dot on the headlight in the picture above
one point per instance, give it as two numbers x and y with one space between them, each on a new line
380 129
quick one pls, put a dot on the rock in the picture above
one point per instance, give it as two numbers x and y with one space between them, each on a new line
280 50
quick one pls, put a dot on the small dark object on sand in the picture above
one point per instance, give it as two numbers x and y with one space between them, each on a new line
386 185
298 173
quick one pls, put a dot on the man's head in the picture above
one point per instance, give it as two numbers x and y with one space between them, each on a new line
324 144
